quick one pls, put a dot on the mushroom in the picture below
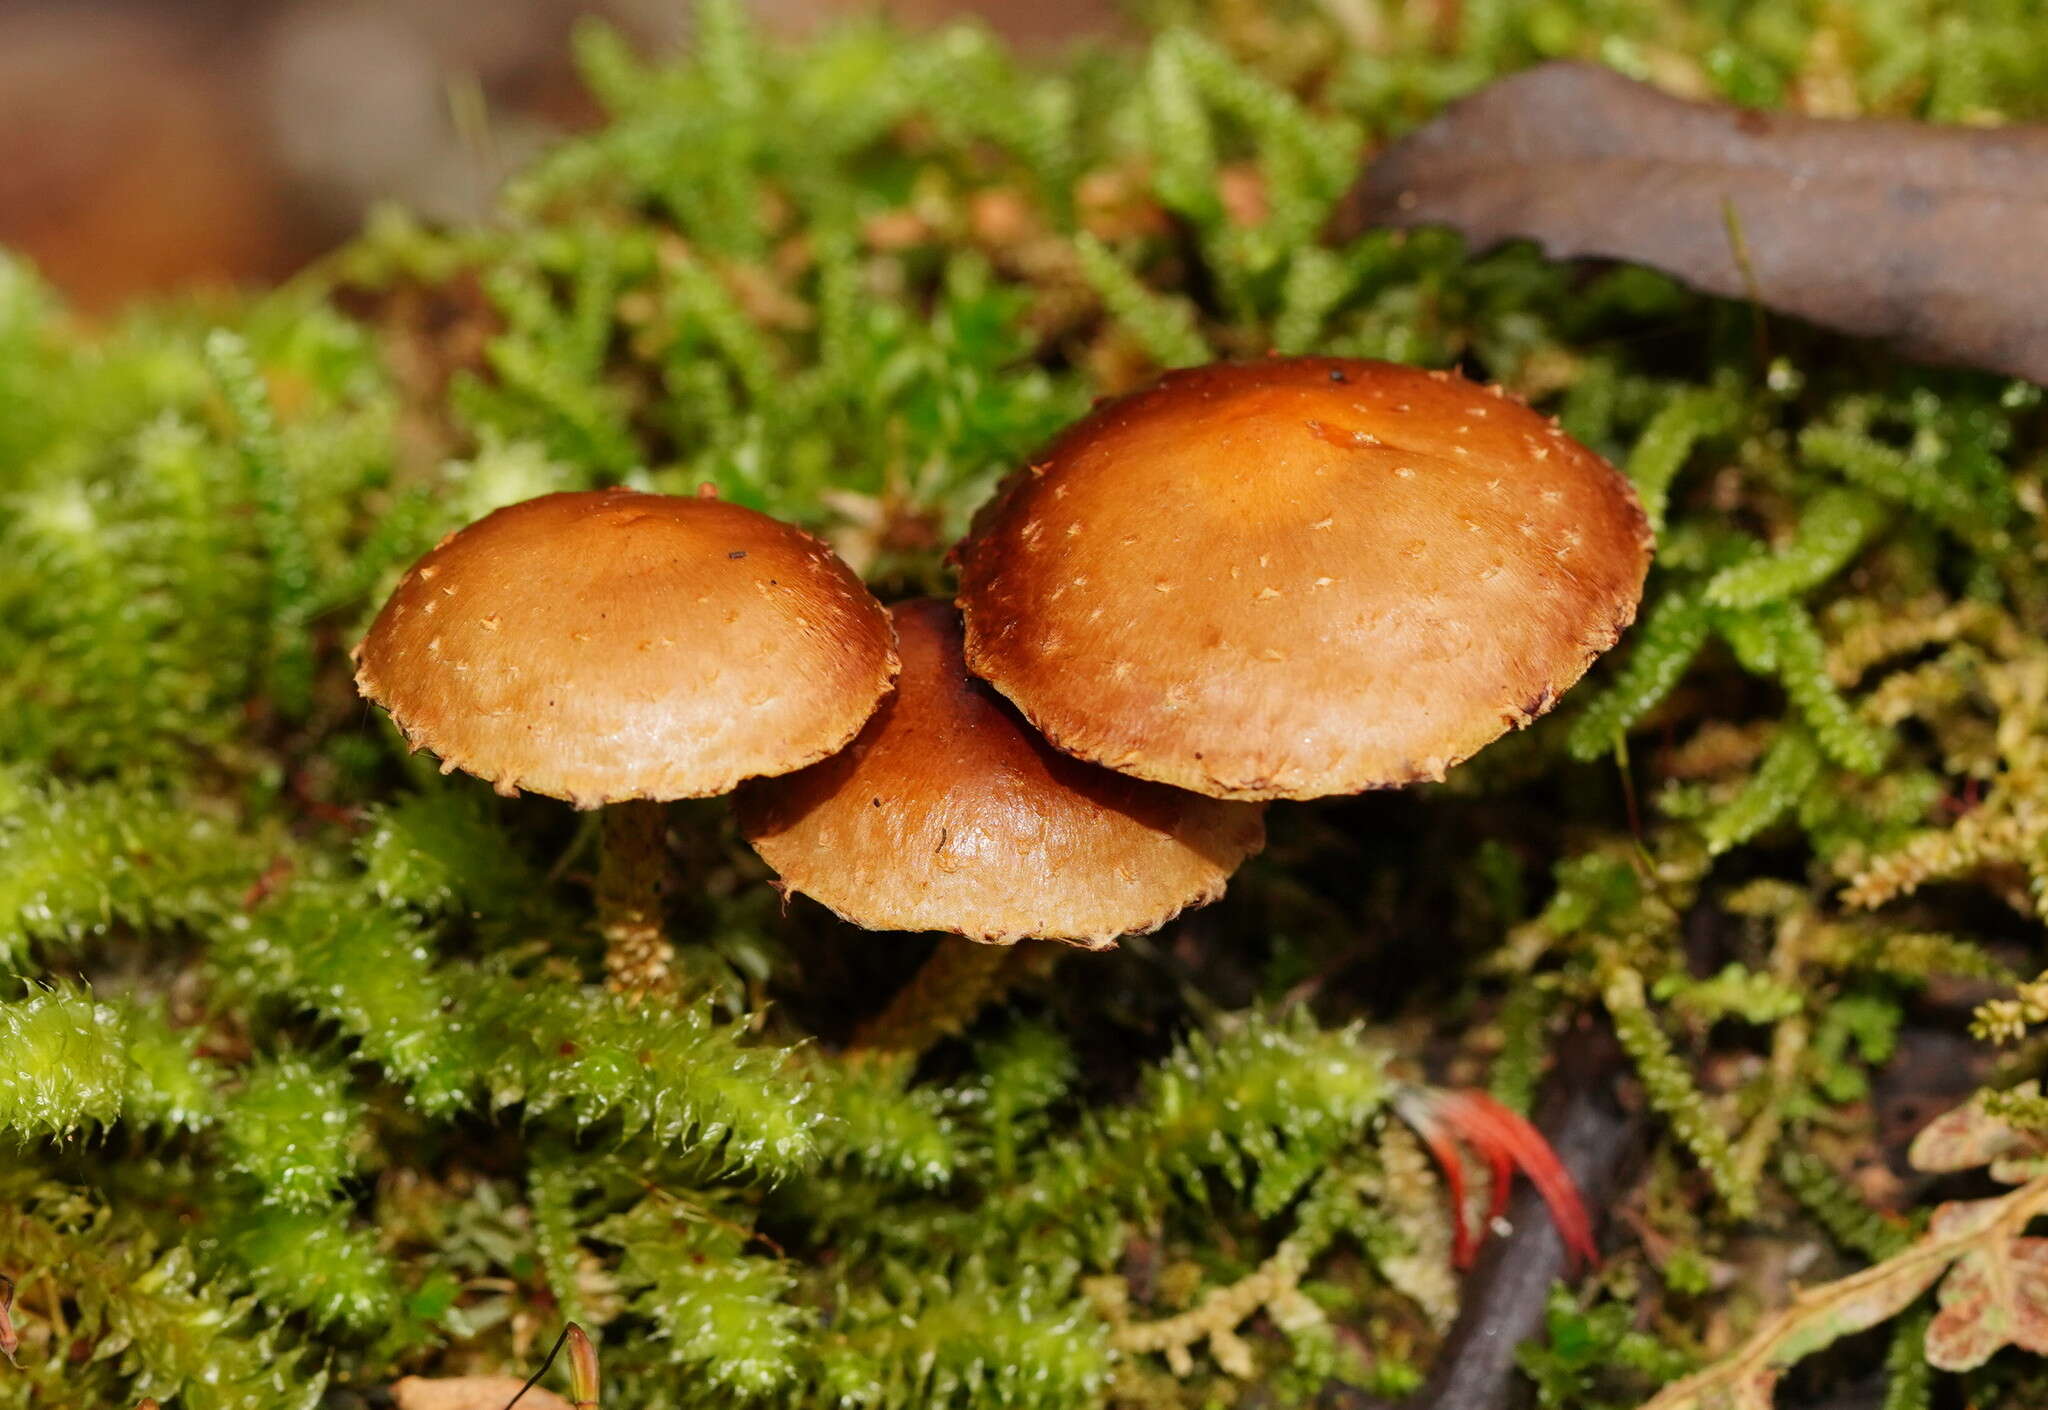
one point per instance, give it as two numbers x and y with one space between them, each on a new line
617 650
949 813
1300 577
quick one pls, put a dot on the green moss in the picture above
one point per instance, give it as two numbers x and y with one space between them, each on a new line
293 1128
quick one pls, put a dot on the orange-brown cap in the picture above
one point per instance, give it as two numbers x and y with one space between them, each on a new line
610 645
949 813
1299 577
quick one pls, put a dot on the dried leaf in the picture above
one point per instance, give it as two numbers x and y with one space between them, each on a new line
1929 235
1816 1318
2002 1299
1963 1218
2018 1169
1969 1138
1997 1294
471 1393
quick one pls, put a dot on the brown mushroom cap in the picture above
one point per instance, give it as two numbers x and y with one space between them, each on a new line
610 645
949 813
1300 577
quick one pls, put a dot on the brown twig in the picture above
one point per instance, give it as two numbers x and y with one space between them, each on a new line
1503 1299
1503 1302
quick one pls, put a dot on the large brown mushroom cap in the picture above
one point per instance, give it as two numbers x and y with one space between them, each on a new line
949 813
610 645
1300 577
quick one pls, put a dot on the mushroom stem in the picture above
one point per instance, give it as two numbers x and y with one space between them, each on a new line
941 999
632 876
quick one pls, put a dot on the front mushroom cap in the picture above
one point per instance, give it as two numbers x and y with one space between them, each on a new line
1300 577
608 645
948 813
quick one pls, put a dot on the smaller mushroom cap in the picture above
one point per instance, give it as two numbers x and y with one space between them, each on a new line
610 644
949 813
1298 577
